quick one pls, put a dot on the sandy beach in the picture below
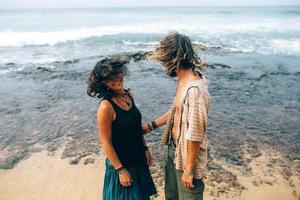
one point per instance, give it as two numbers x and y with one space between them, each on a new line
44 176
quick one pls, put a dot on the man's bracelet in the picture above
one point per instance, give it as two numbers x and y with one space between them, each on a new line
154 125
187 172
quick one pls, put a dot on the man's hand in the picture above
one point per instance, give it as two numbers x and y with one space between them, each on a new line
187 181
146 128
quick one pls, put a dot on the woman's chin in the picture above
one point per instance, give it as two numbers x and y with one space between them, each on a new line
118 87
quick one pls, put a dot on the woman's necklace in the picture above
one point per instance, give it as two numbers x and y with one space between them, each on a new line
126 100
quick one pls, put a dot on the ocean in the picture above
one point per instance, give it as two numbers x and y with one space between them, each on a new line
254 77
38 36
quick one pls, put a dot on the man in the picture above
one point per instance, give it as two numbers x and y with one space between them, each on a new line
186 121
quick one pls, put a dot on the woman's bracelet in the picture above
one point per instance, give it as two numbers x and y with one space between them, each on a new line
121 170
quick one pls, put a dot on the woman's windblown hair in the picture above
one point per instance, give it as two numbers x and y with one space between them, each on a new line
105 70
175 51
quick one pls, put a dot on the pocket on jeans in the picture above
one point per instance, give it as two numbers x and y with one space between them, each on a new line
198 189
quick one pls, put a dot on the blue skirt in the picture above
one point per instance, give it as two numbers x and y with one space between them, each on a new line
141 188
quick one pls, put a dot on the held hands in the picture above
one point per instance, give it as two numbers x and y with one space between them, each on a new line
125 178
146 128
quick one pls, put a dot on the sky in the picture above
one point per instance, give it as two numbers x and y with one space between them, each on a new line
23 4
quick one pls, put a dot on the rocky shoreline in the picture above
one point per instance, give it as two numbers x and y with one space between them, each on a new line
53 140
45 107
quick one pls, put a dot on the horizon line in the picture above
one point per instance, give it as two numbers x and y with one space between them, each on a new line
145 6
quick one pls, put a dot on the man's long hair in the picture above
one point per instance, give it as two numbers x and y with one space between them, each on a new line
175 51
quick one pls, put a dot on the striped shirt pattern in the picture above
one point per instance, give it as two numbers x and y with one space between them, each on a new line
192 126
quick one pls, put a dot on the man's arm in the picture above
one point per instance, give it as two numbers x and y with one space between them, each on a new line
197 118
160 121
192 151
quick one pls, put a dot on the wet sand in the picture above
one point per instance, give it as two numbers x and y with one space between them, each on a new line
47 176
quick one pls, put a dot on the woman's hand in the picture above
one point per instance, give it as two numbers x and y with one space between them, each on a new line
149 157
146 128
125 178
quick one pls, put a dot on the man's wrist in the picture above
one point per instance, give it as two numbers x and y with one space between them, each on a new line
188 167
154 125
188 172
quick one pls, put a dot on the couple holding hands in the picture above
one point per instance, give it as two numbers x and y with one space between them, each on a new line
127 175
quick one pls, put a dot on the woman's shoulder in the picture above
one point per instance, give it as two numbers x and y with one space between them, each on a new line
104 106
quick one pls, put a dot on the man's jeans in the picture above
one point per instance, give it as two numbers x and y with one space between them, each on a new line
174 189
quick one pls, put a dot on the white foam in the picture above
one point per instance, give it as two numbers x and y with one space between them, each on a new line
205 28
138 43
12 69
9 38
289 47
246 35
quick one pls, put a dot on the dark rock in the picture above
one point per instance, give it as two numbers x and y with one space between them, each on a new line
44 69
138 56
202 47
11 161
14 111
74 161
215 65
259 78
71 61
89 161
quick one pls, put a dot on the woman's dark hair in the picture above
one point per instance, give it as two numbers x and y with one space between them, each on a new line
105 70
175 51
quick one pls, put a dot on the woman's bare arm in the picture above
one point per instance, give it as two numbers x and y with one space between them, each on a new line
105 115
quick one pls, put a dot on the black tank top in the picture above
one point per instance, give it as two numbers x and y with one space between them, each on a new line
127 136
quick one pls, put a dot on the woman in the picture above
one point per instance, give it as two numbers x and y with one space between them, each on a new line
127 175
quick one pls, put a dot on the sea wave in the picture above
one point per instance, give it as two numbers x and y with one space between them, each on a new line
9 38
139 43
289 47
205 28
273 46
11 68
